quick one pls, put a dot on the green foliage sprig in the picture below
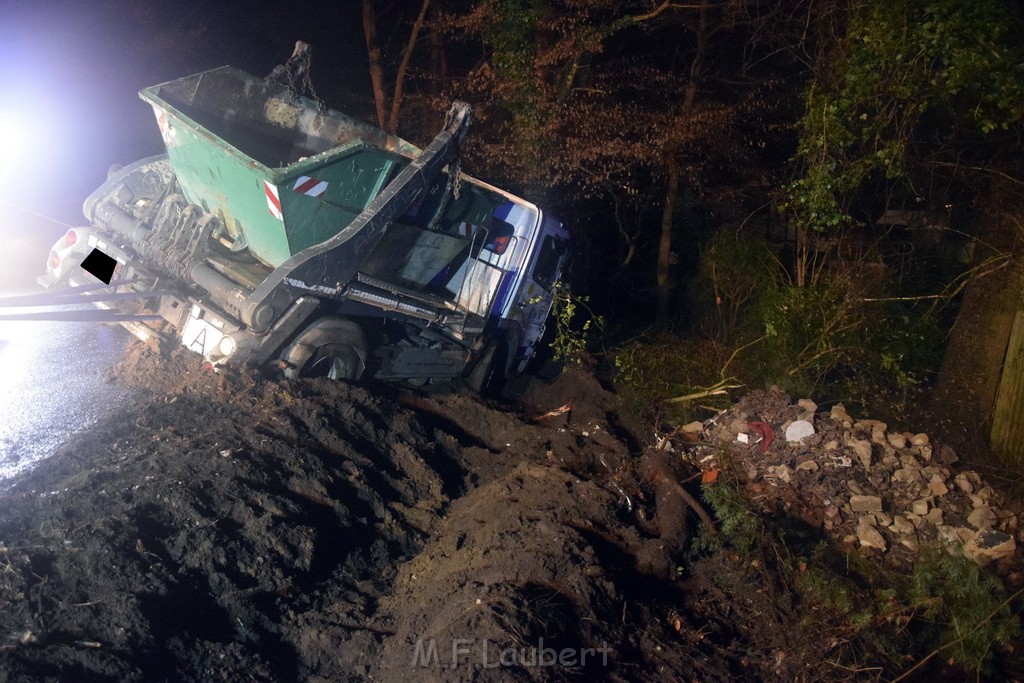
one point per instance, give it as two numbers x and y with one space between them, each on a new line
574 324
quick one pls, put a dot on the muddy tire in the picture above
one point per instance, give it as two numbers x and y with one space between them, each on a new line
334 348
494 368
480 377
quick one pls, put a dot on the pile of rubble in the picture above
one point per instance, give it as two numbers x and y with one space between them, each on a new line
892 493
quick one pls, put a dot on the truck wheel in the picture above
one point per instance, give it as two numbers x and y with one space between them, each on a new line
480 378
494 368
331 347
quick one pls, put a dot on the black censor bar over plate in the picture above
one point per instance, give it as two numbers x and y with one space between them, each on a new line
100 265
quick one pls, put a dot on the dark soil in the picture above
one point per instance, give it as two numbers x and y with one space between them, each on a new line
236 527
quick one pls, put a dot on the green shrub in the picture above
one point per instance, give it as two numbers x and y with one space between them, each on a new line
965 609
739 527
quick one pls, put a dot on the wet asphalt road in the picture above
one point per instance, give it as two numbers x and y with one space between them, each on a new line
51 386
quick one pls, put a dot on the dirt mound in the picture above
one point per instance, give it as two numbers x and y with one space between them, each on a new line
212 531
527 563
228 525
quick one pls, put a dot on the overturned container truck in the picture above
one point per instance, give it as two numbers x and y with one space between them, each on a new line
275 231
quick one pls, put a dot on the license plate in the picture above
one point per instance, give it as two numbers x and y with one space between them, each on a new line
200 336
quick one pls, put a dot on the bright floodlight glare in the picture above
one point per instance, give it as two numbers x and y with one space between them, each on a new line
19 348
16 135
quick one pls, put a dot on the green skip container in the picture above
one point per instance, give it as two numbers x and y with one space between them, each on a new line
282 172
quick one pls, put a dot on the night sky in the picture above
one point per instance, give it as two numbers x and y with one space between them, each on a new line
70 73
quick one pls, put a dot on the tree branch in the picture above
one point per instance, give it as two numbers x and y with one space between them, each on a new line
396 100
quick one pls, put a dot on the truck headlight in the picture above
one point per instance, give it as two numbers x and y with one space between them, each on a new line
227 346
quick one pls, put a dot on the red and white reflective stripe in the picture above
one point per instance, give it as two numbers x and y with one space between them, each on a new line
312 187
164 125
273 200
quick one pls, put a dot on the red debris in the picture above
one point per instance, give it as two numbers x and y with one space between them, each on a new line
766 432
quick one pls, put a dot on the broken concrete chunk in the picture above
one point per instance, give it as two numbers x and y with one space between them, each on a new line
839 414
935 516
832 445
865 503
807 466
808 405
909 461
988 546
780 472
926 452
1007 520
695 427
948 534
937 488
862 449
946 455
920 507
902 525
908 541
904 475
963 483
870 425
919 440
798 431
878 436
897 440
982 518
870 537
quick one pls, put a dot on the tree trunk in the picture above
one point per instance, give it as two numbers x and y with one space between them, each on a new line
665 247
964 398
438 55
396 101
373 50
667 215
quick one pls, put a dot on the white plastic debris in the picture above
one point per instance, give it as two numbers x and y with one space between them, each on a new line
799 430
